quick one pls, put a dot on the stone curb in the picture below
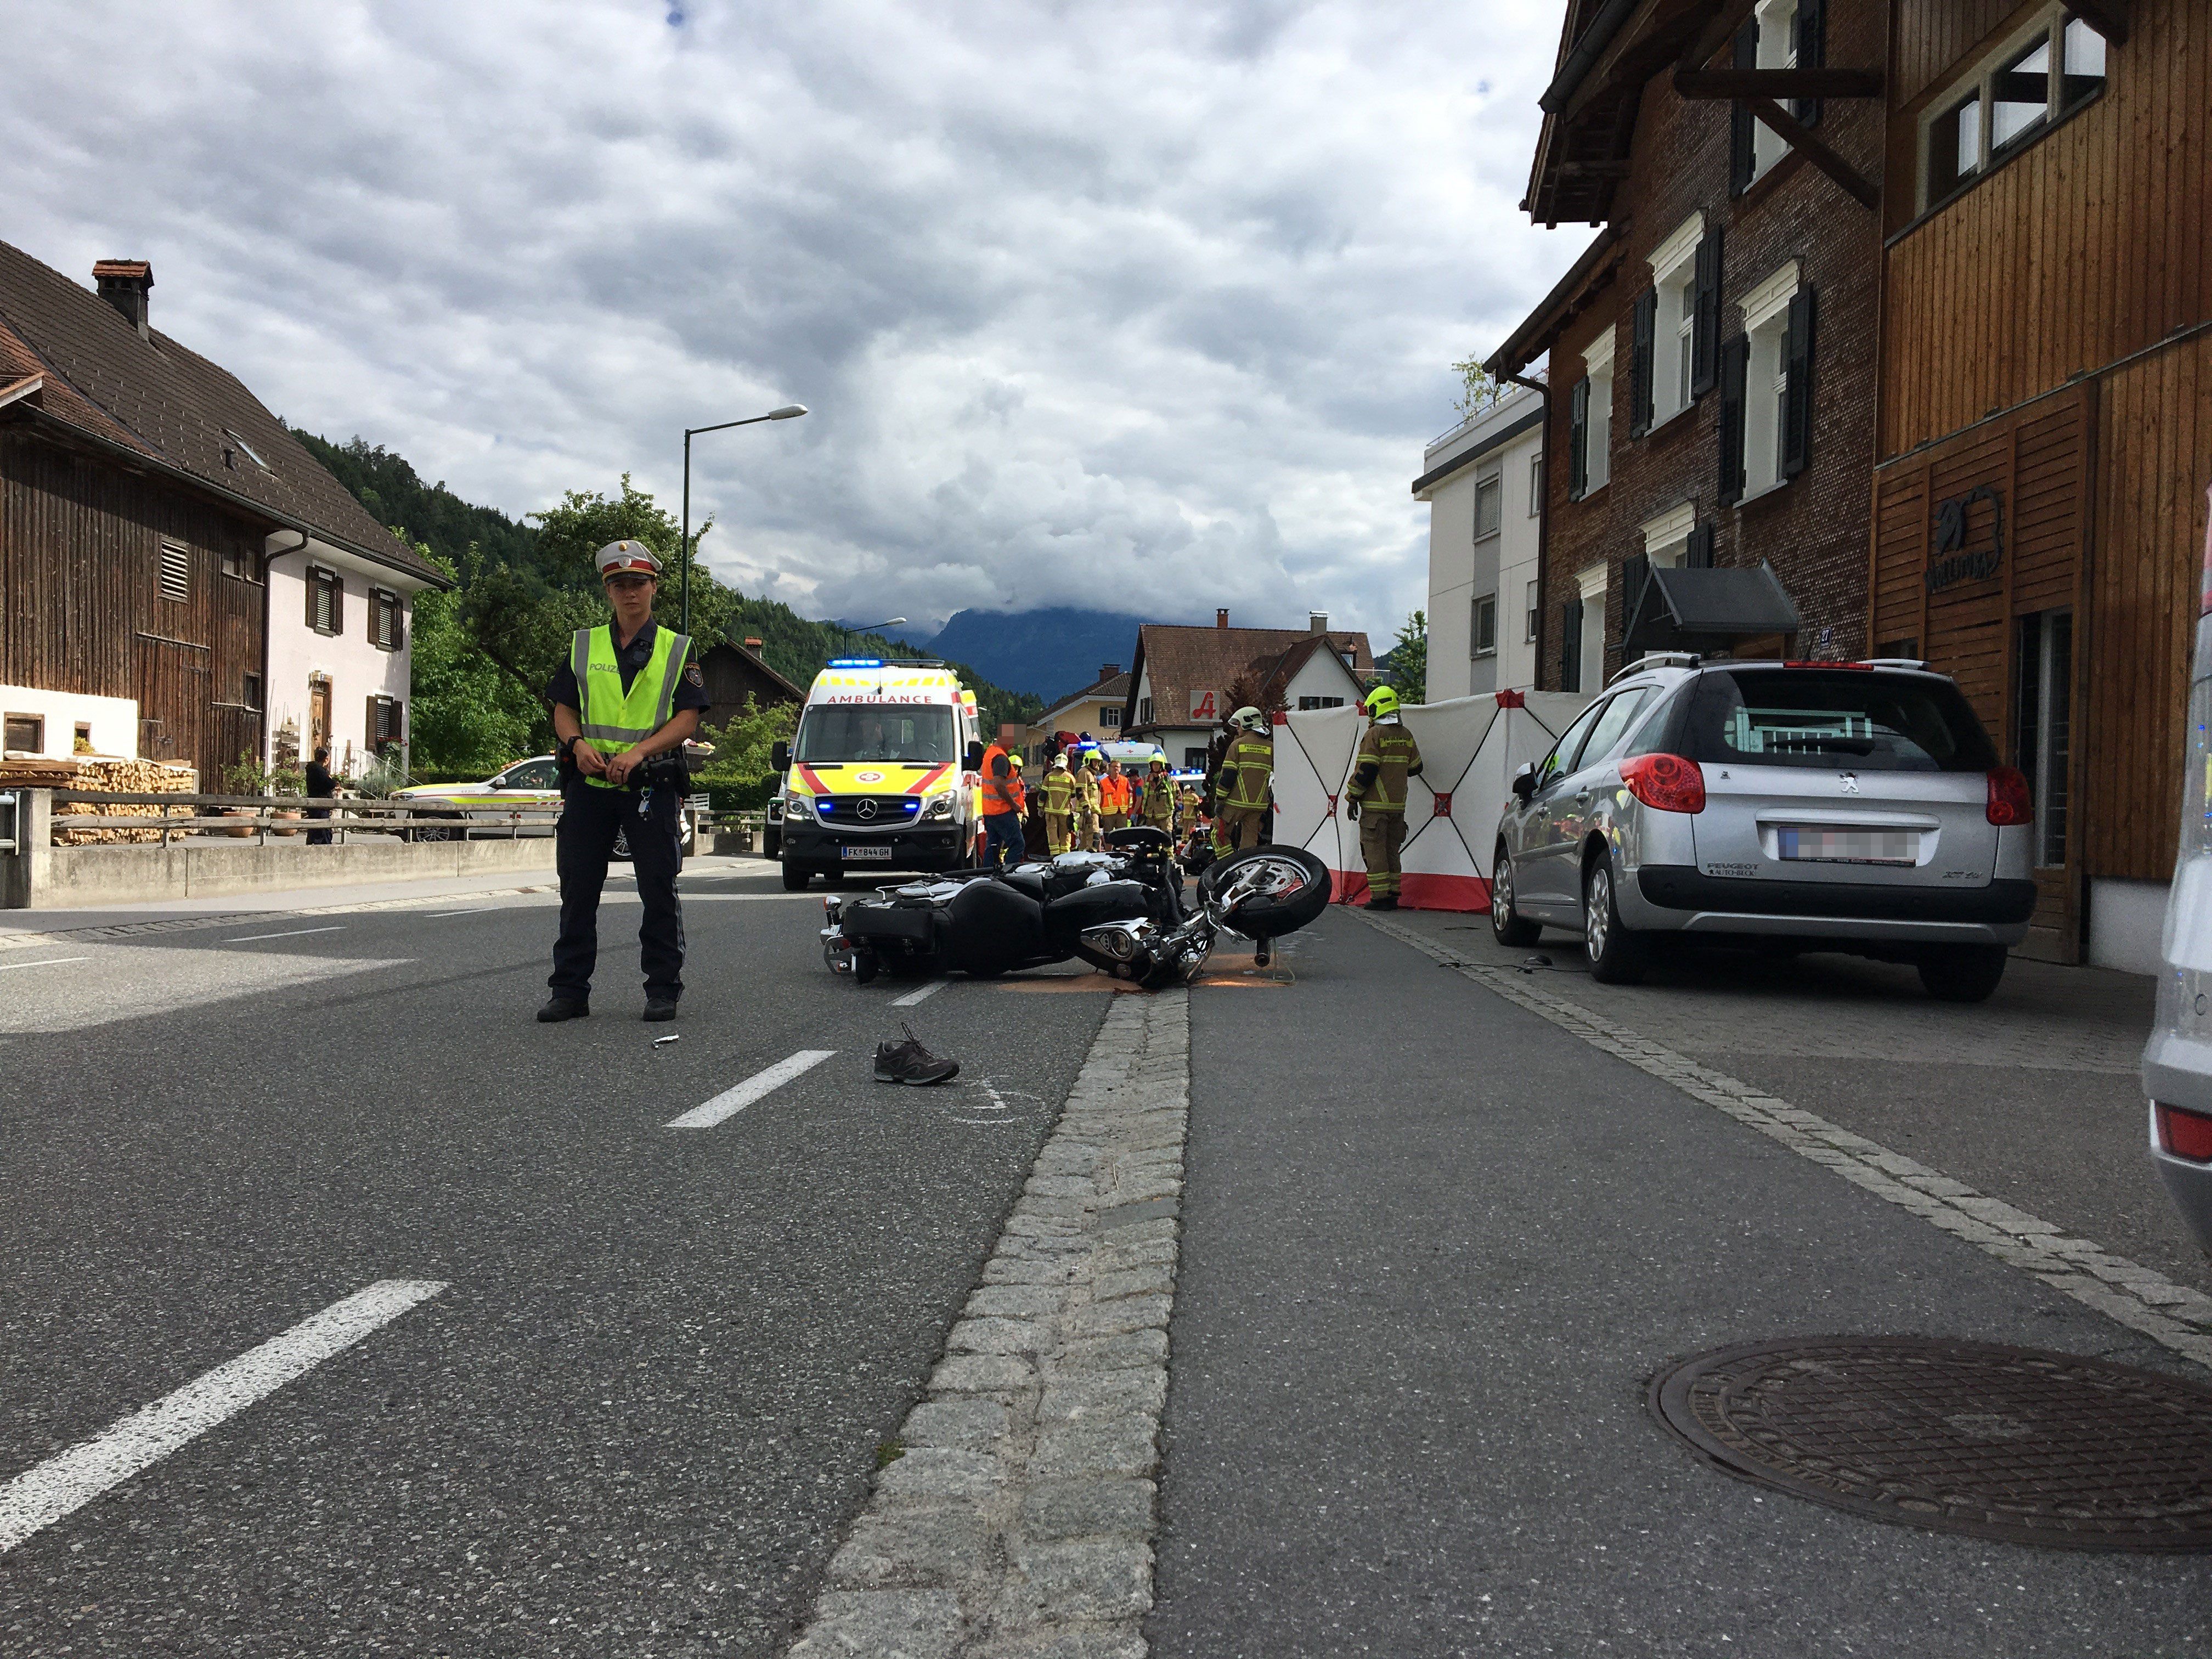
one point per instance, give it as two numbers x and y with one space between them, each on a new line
2142 1298
1017 1522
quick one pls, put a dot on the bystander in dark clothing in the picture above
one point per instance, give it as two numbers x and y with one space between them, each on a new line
321 785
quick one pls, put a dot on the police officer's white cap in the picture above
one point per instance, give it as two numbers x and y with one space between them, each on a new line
627 557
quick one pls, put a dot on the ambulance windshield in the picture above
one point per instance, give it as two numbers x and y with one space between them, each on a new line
917 734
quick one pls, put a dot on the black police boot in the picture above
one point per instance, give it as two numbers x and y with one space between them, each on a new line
1387 902
909 1062
660 1008
561 1007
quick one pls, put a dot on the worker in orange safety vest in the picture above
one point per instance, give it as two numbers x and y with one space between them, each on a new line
1003 799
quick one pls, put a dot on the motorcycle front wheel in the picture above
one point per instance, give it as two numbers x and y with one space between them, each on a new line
1268 891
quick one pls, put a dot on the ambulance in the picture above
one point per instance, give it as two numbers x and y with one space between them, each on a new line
882 773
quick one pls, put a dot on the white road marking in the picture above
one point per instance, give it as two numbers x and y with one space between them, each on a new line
50 961
922 995
66 1482
731 1101
484 911
2140 1298
294 933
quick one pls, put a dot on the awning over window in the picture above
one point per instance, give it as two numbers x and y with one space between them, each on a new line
1696 609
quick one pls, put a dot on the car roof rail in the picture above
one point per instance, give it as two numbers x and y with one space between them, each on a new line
1920 663
1659 659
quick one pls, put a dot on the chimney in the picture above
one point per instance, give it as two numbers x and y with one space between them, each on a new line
1107 671
123 283
752 643
1221 618
1316 621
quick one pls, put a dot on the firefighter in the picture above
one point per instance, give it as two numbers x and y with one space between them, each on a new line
1241 787
1376 794
1158 808
1087 798
1059 804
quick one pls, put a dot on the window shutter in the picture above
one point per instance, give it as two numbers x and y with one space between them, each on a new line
369 724
1578 441
1705 320
1571 646
337 602
1700 554
1735 358
314 599
1811 42
1740 158
1797 398
1639 369
1635 576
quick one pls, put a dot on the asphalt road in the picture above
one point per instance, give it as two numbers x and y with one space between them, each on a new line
1434 1248
640 1414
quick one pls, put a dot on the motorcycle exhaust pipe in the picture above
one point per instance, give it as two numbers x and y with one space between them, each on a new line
1114 940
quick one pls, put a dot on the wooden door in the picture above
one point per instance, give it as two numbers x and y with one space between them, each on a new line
319 714
1972 539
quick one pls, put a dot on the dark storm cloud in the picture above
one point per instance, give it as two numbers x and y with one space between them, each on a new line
1145 306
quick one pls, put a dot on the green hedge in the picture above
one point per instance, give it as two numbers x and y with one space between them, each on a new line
746 795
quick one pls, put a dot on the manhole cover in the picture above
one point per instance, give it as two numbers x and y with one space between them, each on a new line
1960 1436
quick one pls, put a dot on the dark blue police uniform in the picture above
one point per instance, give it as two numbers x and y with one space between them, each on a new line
651 811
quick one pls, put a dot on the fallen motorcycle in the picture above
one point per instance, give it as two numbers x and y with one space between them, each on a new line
1123 911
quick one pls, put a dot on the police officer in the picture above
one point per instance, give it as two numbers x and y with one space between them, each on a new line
622 705
1376 794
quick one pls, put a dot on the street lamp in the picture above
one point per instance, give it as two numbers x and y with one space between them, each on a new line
888 622
788 412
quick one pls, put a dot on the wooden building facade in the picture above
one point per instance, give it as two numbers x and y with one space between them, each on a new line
2045 427
119 585
146 500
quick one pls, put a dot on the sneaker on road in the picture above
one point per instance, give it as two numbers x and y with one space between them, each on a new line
909 1062
564 1008
660 1008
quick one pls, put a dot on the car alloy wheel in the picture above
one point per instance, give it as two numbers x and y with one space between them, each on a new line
1509 927
1617 954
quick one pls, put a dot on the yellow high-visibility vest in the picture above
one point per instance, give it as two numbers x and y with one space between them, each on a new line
614 720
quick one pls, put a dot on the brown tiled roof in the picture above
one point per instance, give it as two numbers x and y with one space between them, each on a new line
172 406
1111 688
1179 660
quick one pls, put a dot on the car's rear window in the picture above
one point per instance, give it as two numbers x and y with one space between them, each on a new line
1847 719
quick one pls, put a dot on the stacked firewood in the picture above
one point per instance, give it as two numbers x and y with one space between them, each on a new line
127 777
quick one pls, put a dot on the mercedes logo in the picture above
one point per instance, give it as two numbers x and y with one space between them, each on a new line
865 811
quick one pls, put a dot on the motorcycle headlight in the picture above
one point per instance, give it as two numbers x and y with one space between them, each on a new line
940 807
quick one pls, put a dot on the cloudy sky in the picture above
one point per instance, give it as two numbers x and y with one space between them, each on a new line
1148 307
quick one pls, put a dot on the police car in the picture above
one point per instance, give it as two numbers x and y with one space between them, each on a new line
493 807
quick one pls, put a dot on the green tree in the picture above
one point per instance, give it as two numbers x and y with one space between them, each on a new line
469 717
1409 658
1478 392
739 776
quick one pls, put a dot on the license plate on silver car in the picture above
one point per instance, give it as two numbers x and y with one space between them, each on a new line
883 852
1848 846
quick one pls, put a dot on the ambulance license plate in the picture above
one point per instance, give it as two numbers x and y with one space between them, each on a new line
883 854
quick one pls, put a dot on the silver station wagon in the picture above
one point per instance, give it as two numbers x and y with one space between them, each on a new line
1786 807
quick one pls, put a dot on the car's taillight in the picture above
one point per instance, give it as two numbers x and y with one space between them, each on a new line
2010 802
2185 1134
1666 782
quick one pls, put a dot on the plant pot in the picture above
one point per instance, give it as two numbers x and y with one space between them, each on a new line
237 831
292 816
